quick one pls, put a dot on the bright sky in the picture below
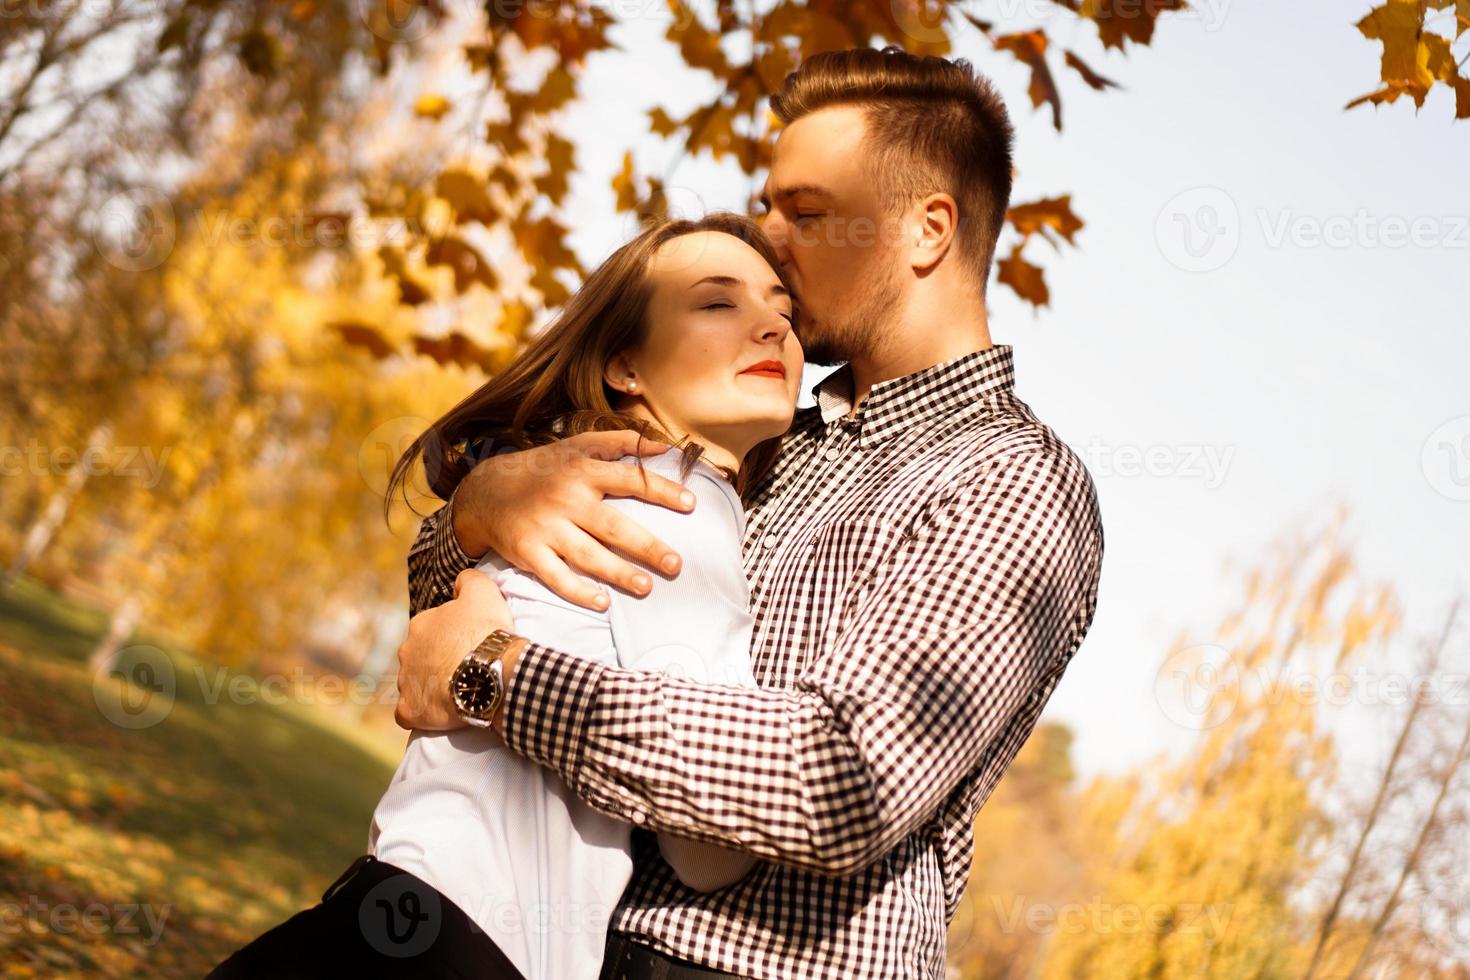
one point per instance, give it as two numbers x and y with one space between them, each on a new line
1312 351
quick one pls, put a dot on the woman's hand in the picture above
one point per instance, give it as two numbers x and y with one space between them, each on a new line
542 510
702 866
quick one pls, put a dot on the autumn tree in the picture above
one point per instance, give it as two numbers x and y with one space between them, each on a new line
1250 849
1396 855
1030 851
504 195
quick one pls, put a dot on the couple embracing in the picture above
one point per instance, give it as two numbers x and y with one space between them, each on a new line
700 685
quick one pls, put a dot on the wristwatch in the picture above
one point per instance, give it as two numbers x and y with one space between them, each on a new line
477 685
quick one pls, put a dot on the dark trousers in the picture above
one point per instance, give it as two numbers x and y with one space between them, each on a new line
627 960
375 921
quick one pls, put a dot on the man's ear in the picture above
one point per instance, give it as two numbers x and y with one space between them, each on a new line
938 221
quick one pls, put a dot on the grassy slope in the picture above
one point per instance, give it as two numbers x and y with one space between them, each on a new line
222 819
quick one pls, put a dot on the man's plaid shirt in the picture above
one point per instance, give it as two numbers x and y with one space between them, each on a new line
921 574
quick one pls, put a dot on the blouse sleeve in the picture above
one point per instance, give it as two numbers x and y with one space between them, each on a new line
697 624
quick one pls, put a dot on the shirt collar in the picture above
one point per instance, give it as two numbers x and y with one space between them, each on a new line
897 403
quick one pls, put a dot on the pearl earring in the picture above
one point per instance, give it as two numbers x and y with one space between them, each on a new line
632 386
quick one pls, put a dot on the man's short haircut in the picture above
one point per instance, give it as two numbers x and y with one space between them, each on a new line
933 125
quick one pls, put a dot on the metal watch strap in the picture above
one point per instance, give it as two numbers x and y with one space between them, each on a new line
492 646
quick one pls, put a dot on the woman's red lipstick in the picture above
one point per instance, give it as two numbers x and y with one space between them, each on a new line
770 369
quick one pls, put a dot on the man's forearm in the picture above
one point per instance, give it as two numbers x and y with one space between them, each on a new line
787 779
551 717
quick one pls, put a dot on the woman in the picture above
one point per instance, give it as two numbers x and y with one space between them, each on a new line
482 864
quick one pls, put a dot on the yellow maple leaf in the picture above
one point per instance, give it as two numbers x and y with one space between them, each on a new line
431 106
1029 281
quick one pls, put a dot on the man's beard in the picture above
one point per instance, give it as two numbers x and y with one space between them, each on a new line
858 333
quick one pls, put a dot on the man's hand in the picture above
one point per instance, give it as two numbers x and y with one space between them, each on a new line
437 641
542 510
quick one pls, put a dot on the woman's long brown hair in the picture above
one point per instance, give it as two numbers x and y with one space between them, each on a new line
554 388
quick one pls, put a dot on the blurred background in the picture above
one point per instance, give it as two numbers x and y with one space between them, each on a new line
249 249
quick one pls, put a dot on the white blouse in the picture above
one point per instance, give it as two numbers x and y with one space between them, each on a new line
506 840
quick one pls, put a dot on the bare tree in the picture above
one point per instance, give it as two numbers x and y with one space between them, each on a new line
1387 784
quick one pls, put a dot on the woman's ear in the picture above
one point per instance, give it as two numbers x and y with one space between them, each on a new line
619 371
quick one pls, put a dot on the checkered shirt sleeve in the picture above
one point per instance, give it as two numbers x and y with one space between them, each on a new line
434 561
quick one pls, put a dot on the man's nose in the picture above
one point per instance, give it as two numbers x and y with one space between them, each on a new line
777 230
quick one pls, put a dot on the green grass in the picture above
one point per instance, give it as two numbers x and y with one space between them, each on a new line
155 851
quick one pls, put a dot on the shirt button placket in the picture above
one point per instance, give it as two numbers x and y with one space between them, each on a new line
849 429
833 452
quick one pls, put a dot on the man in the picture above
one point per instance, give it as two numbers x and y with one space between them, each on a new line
923 559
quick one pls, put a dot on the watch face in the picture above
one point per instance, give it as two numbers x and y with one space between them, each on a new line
476 688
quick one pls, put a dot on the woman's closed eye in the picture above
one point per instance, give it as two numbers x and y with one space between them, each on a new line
726 304
722 305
